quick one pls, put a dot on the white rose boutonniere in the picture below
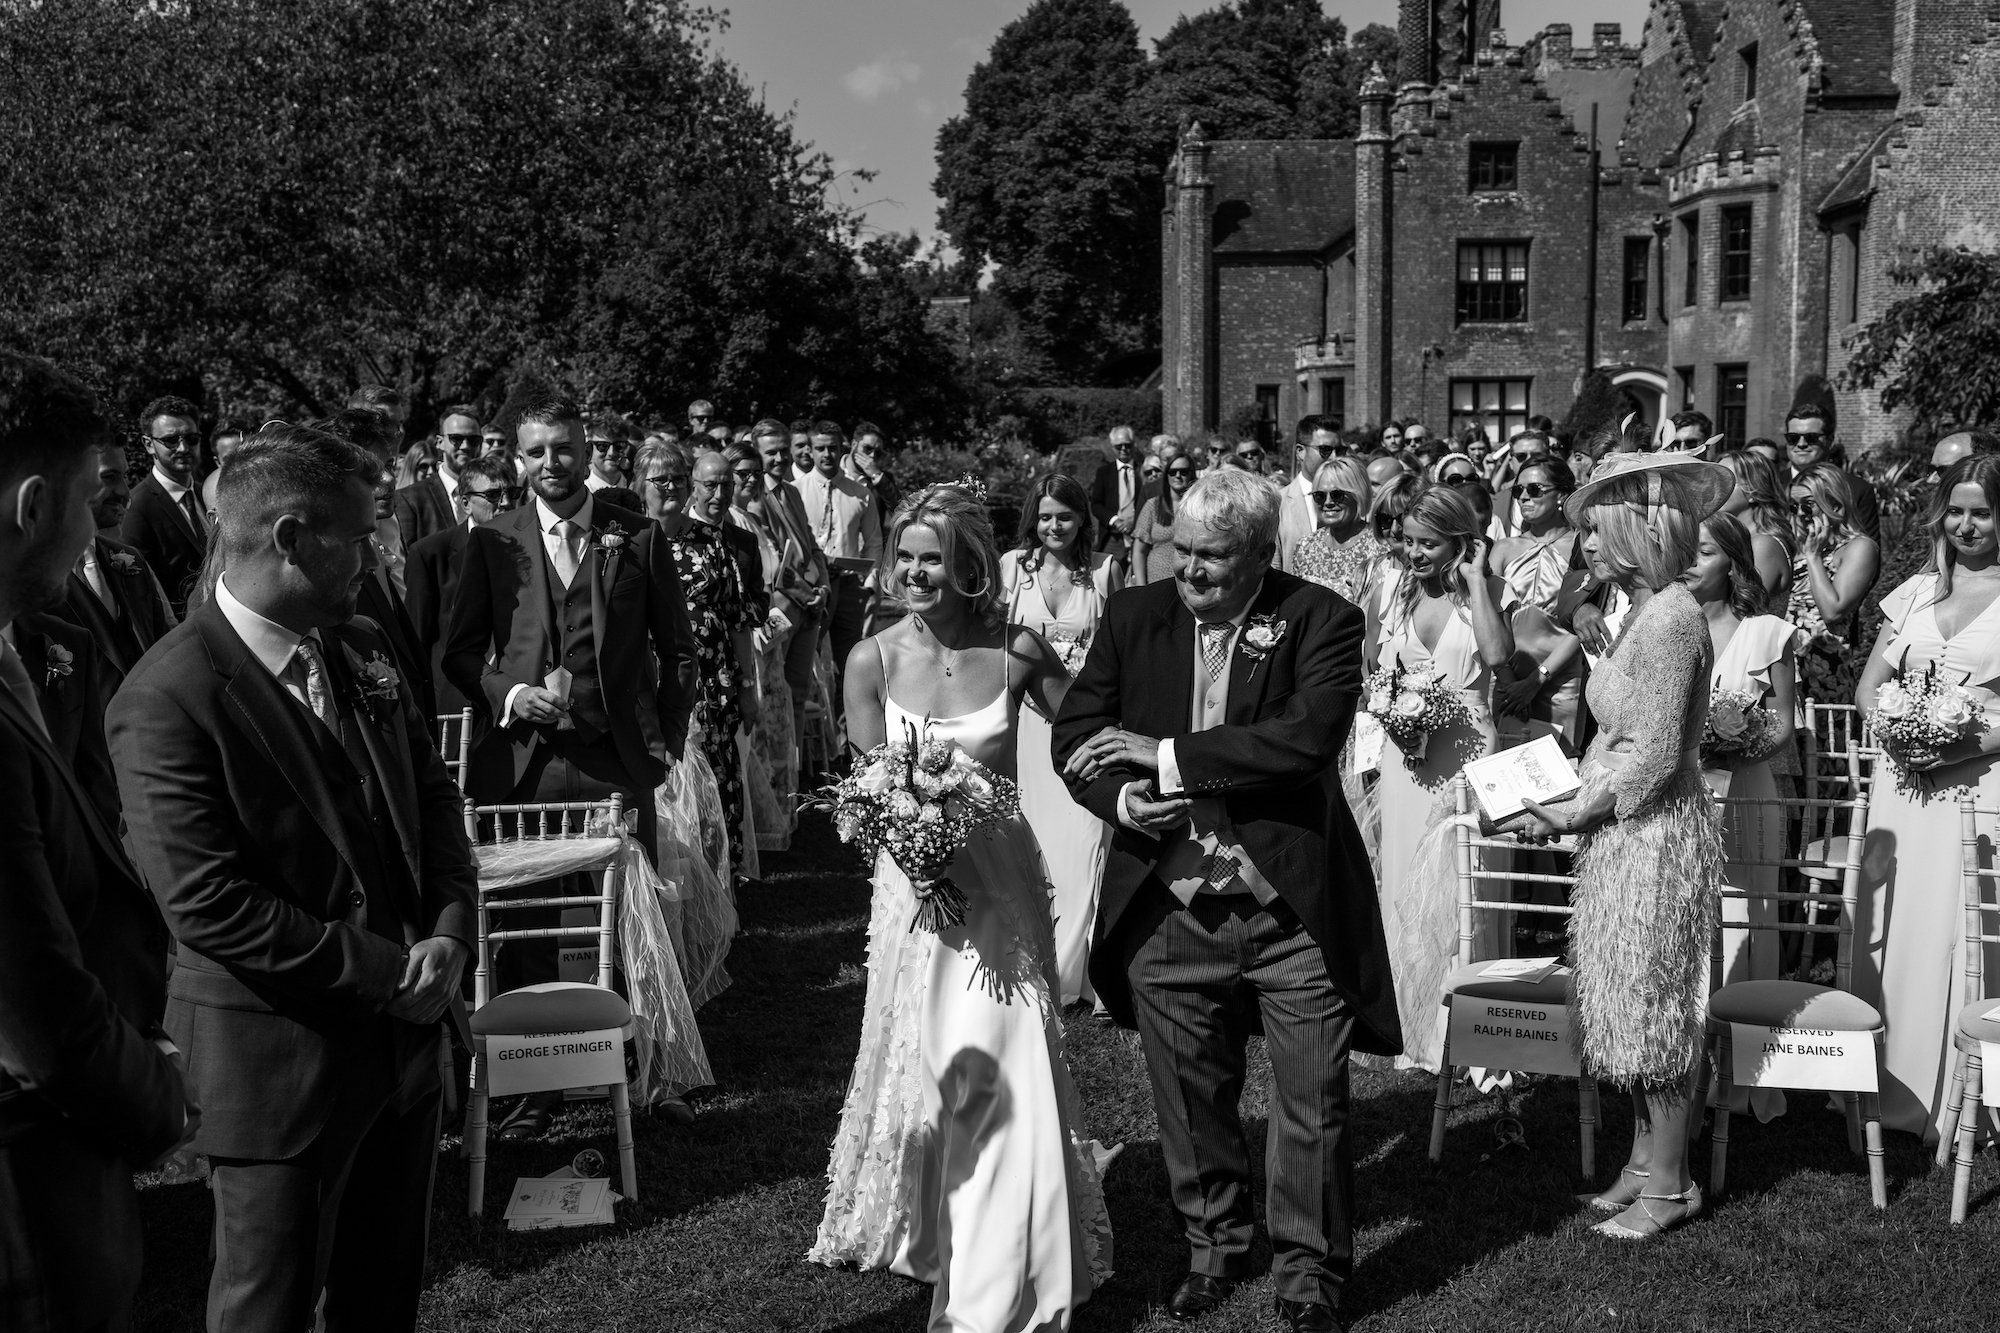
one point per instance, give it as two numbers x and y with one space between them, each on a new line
61 662
124 562
378 688
1261 635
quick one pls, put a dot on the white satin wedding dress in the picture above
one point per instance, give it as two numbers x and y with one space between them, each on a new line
959 1158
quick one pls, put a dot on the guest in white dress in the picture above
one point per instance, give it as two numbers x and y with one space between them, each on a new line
1909 938
1056 585
1534 564
1445 613
959 1159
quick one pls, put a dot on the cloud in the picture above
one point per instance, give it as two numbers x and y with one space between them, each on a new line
885 74
926 108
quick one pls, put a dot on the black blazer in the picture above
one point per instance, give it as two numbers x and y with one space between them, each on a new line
378 602
83 957
246 819
161 531
71 687
502 634
430 583
136 620
1273 761
423 508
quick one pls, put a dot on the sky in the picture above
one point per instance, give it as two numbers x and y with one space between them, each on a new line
872 80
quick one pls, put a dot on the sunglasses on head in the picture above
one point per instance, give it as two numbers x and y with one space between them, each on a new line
1325 498
1535 490
1809 438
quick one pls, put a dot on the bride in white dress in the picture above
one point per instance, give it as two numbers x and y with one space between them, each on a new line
960 1158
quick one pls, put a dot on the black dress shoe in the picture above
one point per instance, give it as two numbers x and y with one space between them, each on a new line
1197 1295
1309 1317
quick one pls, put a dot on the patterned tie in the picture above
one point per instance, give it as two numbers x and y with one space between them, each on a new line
569 554
306 663
1215 648
1220 872
193 511
14 677
826 520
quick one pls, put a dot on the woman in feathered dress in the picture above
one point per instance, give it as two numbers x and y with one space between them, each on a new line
1649 855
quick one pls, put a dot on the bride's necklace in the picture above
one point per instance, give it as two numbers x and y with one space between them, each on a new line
946 657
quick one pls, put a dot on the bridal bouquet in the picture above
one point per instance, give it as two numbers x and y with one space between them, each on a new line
1917 715
1411 703
1736 725
919 799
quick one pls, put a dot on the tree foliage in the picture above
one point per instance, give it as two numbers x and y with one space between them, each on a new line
265 201
1936 351
1253 69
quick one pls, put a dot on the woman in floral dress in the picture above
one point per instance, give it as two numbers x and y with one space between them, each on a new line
1341 552
773 788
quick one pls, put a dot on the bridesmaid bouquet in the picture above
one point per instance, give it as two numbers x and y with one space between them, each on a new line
1917 715
1411 703
1736 726
919 799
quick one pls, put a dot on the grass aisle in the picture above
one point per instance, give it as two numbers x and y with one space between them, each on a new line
1486 1240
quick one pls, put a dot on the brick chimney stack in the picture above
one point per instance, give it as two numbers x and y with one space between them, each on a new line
1194 191
1607 37
1372 250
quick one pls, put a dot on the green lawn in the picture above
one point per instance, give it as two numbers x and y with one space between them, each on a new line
1485 1240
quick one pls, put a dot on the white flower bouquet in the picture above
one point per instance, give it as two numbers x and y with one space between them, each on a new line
919 799
1411 704
1737 725
1918 714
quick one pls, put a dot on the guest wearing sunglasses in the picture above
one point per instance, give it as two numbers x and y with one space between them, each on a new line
1298 515
772 777
1247 455
1809 442
1536 567
1153 536
428 504
867 463
163 520
486 490
1341 552
1836 566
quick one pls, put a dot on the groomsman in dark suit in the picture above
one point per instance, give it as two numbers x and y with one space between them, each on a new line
569 631
111 592
287 808
90 1089
485 491
68 674
164 520
1204 728
426 505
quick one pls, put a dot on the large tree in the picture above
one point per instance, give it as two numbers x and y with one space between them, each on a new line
263 201
1254 69
1937 350
1050 175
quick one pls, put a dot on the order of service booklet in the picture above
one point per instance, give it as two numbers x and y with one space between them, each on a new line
1538 771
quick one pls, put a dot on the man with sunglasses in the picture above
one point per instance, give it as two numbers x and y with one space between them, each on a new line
700 413
610 452
1523 451
486 490
849 532
164 520
1298 515
429 504
1116 494
1960 444
1809 440
871 451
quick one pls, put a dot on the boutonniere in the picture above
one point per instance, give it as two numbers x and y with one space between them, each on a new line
1260 636
612 539
61 662
124 562
378 689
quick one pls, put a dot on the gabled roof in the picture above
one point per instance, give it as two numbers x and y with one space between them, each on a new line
1855 41
1699 20
1281 196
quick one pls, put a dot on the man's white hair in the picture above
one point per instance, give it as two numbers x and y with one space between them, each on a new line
1121 435
1236 501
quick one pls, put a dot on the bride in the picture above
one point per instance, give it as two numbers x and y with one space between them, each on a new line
959 1159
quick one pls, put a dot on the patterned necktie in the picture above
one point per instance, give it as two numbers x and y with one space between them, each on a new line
1215 648
306 662
14 677
568 554
193 511
826 520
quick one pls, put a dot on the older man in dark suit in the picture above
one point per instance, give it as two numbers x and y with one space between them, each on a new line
89 1087
164 519
1204 728
111 591
289 812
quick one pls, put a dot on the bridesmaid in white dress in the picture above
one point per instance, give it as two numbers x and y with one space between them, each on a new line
1444 612
959 1159
1909 938
1057 586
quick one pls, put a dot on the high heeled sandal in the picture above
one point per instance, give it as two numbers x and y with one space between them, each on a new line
1612 1207
1615 1229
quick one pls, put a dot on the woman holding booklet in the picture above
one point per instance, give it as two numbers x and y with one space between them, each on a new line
1649 855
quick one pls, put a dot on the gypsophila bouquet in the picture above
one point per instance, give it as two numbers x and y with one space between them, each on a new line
1412 703
1737 725
1917 714
919 799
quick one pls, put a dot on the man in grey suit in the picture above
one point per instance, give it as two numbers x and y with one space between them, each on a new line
1204 728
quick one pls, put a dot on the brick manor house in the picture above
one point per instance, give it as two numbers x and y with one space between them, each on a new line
1760 164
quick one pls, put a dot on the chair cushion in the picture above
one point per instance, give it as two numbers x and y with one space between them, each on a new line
1468 982
1833 851
1792 1004
553 1006
1977 1028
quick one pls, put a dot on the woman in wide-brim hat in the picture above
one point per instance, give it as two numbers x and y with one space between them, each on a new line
1649 854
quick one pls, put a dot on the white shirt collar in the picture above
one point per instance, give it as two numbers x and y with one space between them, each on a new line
1236 621
269 642
547 518
1302 483
173 488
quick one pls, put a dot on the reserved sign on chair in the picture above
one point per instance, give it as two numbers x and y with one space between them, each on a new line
1782 1057
545 1062
1507 1034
